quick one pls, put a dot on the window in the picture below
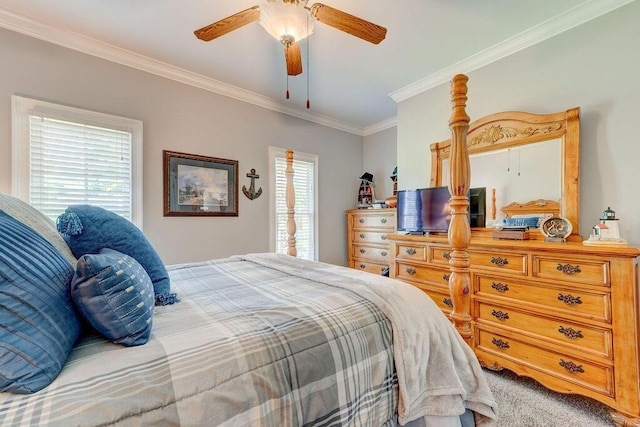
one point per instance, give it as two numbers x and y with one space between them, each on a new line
64 156
305 168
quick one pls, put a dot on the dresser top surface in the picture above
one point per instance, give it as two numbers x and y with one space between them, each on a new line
527 245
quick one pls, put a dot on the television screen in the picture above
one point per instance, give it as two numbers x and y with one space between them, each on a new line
427 209
477 207
423 210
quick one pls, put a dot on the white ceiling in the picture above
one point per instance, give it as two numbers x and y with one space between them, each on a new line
353 85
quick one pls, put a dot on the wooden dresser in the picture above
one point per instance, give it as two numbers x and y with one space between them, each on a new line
368 247
564 314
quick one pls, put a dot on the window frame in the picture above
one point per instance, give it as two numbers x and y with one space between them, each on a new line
23 107
275 152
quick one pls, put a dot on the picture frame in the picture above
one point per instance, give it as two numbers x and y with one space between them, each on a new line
199 185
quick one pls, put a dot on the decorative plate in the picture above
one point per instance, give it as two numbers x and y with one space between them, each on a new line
556 227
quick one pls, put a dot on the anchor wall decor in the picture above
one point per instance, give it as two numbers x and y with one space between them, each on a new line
251 192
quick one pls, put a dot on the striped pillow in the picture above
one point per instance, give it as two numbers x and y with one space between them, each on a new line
38 325
115 295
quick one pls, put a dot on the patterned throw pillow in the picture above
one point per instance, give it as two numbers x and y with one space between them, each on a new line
38 325
87 229
115 295
30 216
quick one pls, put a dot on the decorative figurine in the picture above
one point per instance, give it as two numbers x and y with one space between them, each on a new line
365 193
607 231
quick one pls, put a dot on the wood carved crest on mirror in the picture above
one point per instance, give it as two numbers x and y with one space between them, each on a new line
524 157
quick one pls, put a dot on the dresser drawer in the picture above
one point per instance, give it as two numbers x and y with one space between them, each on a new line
382 220
371 252
442 300
580 338
588 272
368 236
440 254
515 263
368 266
411 252
586 374
561 299
430 275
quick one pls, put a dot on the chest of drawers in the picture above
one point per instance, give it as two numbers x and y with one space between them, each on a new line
564 314
367 231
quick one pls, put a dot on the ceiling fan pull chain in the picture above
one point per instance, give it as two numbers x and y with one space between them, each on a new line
308 69
287 94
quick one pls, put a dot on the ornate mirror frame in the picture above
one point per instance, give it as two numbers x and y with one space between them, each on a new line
511 129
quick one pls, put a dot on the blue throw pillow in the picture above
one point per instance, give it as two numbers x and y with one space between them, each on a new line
115 295
38 325
87 229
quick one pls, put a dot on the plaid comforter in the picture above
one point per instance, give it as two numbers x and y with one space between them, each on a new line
249 344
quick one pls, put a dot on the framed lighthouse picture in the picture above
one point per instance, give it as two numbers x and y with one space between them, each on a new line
199 186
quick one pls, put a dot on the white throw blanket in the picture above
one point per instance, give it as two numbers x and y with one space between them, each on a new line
438 374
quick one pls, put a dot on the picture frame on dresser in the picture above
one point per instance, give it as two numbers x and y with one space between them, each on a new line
196 185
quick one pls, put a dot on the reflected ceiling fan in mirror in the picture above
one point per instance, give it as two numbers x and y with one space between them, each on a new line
288 21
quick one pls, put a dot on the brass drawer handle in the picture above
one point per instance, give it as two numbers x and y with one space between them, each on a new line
361 220
383 253
447 302
446 277
362 235
570 333
411 271
500 287
383 220
446 255
500 262
569 269
363 266
362 251
571 367
499 343
411 251
500 315
383 237
569 300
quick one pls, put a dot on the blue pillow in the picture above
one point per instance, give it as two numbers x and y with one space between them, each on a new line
38 325
87 229
115 295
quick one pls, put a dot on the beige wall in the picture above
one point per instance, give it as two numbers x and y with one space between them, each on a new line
380 159
182 118
594 67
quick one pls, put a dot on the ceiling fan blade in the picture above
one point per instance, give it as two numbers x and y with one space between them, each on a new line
348 23
228 24
294 59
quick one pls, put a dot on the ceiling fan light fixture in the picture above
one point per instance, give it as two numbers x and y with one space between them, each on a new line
286 20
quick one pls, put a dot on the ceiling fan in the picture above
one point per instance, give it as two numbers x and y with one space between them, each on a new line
287 21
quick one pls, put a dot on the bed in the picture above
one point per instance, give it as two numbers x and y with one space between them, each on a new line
262 339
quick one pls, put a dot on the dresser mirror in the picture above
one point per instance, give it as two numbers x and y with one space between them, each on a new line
524 157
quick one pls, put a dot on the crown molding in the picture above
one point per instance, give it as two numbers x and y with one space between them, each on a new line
90 46
543 31
380 126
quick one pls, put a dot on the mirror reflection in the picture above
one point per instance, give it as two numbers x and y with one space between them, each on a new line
518 174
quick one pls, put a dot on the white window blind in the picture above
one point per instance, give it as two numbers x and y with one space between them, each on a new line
65 156
72 163
304 183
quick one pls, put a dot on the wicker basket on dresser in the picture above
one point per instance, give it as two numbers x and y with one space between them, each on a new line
368 247
564 314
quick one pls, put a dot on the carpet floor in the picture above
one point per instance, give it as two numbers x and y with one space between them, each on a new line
522 402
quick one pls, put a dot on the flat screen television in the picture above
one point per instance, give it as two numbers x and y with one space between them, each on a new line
478 207
426 210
